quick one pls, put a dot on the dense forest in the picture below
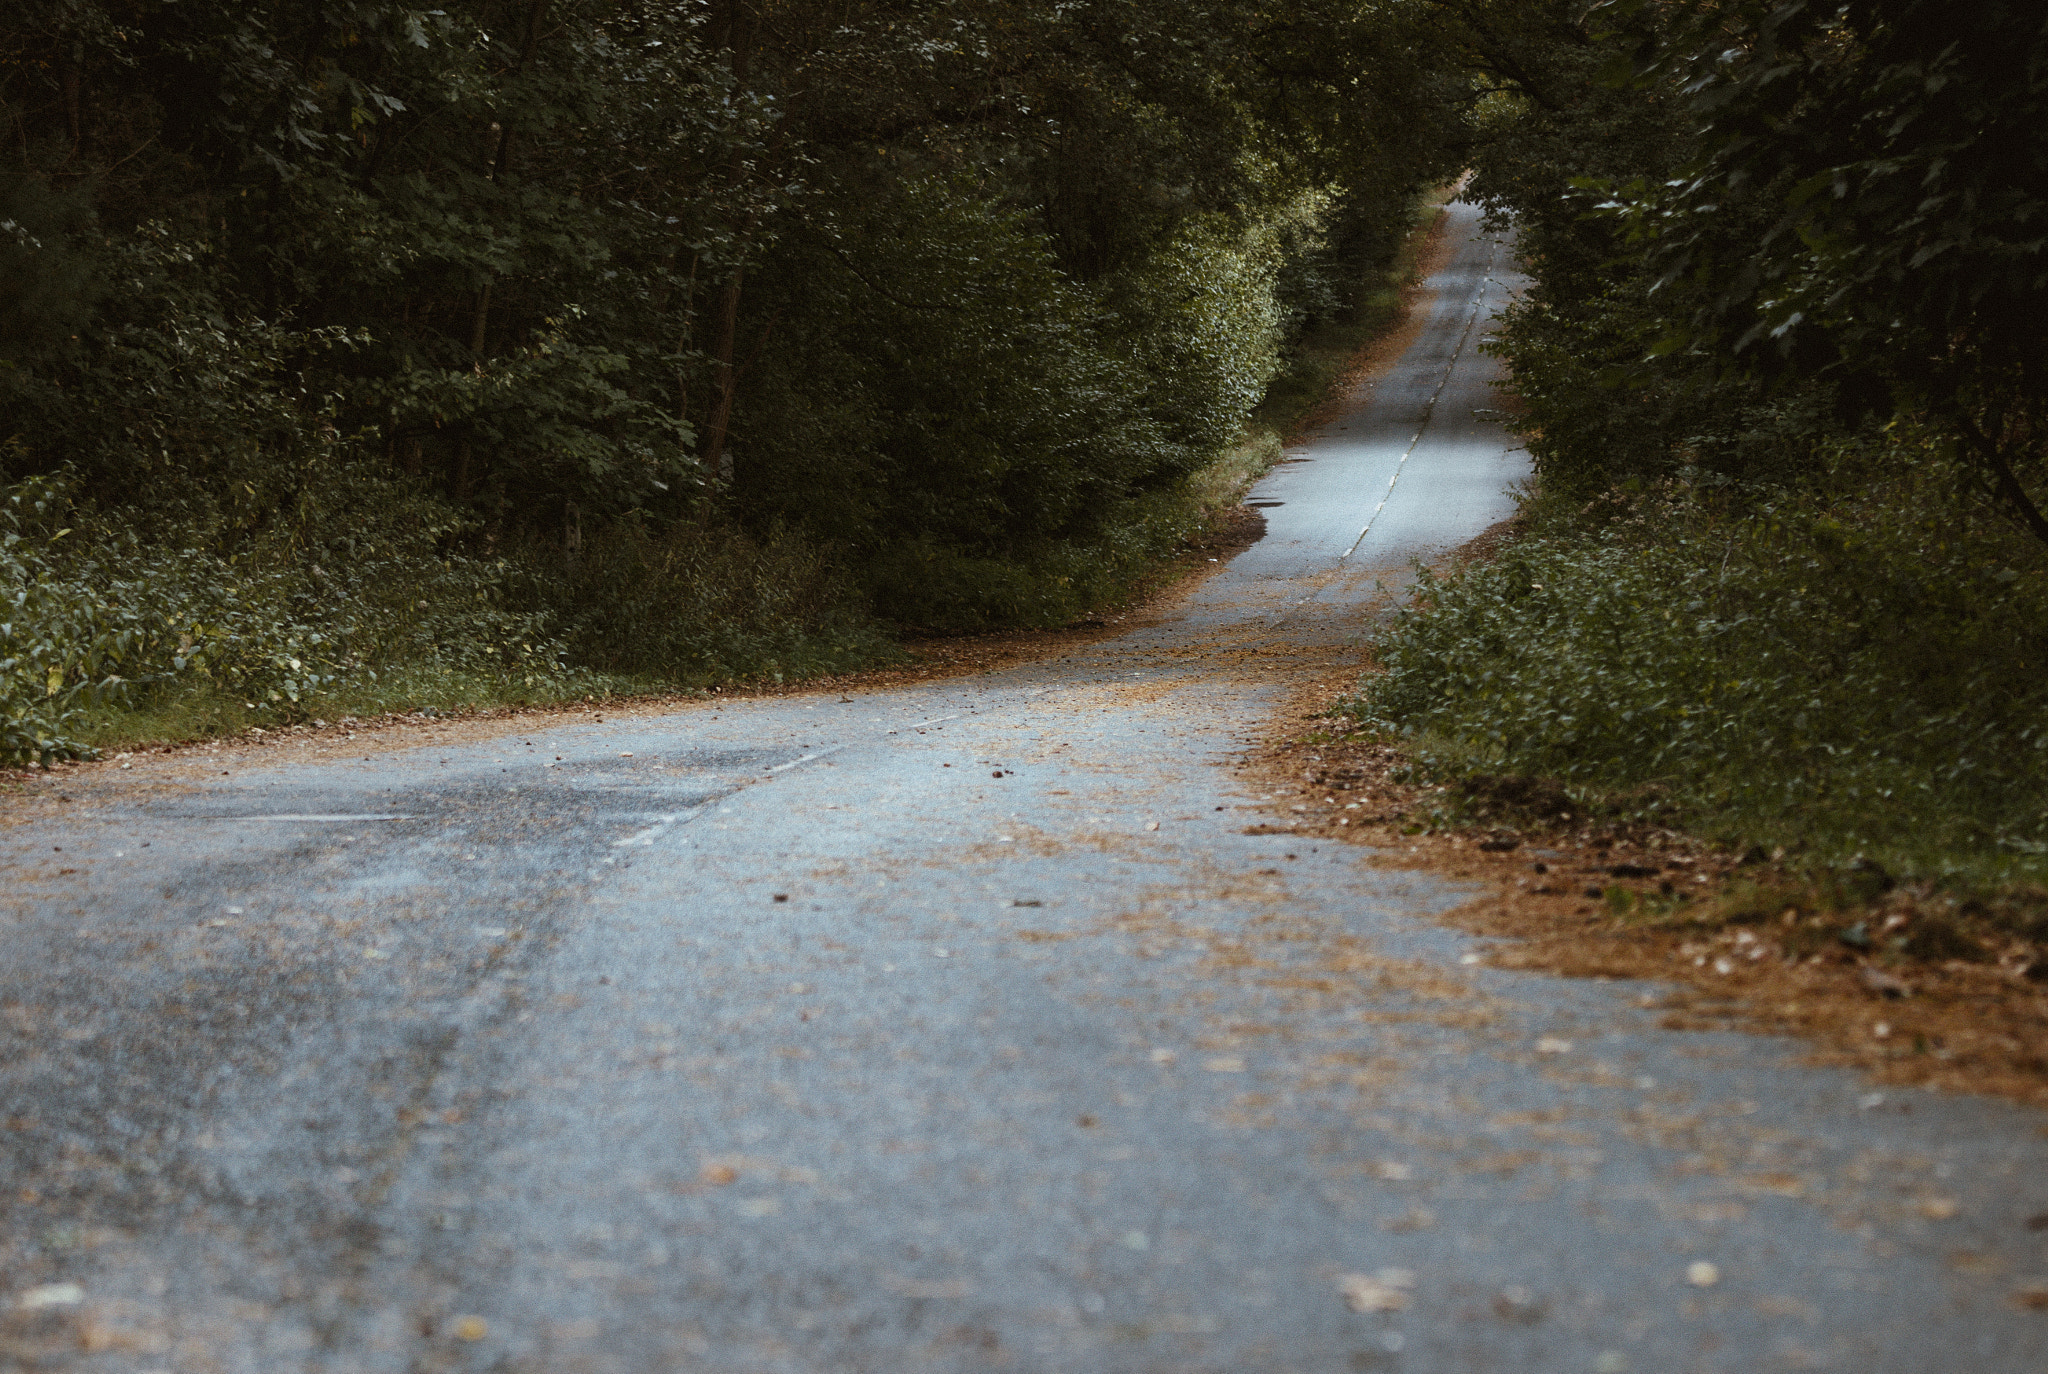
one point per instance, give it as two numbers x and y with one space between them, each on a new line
523 340
357 353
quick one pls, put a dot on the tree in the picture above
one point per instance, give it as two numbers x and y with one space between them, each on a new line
1896 153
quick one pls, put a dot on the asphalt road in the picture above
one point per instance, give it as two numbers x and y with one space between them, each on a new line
957 1027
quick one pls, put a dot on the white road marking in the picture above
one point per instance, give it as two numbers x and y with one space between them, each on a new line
798 763
1429 410
653 832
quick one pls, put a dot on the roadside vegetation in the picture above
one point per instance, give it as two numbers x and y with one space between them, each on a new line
355 357
1783 583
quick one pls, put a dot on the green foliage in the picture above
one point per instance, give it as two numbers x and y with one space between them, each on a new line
1594 412
1841 204
1897 149
1780 373
700 605
997 443
1846 666
61 643
378 346
48 286
1595 415
98 615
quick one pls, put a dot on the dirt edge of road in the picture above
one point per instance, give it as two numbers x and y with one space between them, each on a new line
1904 985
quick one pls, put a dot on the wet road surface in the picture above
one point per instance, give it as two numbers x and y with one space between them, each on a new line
956 1027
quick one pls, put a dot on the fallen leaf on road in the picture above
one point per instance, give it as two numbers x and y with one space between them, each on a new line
1938 1208
2032 1294
1550 1044
471 1328
929 1289
718 1175
96 1339
1385 1291
1702 1274
1224 1063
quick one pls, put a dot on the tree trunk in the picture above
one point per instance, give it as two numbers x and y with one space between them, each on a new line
479 324
74 108
500 157
721 411
2004 481
683 342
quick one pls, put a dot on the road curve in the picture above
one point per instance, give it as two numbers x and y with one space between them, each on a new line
957 1027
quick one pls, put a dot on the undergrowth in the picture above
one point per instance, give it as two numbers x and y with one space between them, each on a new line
110 632
1852 669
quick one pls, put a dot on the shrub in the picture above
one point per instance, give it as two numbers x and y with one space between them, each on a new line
62 643
702 604
1857 666
357 584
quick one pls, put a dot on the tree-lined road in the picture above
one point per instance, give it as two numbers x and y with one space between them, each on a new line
955 1027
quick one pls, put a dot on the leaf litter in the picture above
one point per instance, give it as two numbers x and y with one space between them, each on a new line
1899 987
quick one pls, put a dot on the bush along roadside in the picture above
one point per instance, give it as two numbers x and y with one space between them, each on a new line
1786 744
1840 670
108 635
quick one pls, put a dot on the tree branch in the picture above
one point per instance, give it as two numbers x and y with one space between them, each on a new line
2002 475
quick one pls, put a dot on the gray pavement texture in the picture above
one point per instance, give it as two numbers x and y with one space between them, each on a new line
954 1027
